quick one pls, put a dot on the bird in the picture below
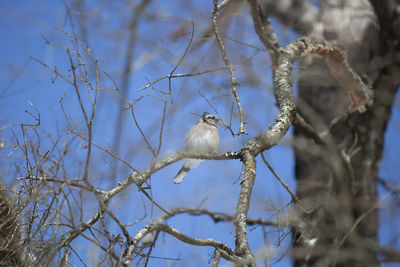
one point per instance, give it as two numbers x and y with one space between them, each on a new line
203 137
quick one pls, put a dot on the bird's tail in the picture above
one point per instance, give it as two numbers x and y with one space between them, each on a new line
181 174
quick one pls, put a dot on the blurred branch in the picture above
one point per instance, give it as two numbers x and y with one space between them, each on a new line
337 158
359 93
390 188
363 216
308 130
299 15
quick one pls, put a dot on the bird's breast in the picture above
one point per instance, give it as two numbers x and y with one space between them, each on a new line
202 140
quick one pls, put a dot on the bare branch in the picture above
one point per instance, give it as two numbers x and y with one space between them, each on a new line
234 81
179 76
242 207
139 178
229 254
265 32
294 197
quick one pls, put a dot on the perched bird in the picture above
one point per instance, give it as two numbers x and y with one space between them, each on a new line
203 137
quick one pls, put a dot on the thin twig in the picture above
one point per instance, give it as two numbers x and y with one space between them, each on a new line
295 199
234 81
179 76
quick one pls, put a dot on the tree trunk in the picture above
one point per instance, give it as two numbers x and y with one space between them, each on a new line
337 181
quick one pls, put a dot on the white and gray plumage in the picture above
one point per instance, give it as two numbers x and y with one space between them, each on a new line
203 137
